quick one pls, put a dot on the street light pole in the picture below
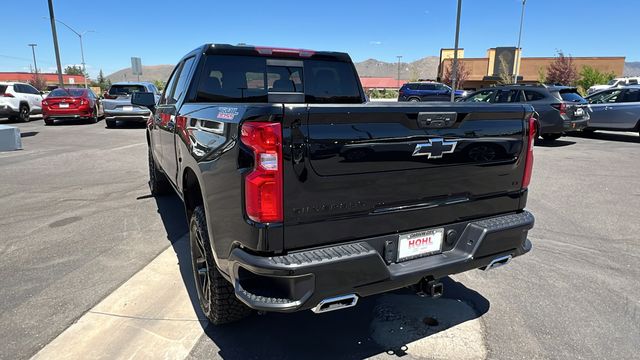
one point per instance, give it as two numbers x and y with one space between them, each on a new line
84 69
519 52
33 51
454 71
399 57
55 43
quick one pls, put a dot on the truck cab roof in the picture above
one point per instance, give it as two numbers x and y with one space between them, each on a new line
254 50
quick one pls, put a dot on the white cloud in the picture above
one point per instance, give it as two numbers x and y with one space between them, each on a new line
375 42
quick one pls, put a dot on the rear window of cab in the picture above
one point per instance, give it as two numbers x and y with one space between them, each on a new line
248 79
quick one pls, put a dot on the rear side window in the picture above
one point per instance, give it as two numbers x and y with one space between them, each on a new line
631 95
331 82
31 90
427 87
507 96
230 78
530 95
3 88
481 96
571 96
633 82
126 89
412 86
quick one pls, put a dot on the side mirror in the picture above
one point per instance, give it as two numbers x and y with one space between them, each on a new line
146 99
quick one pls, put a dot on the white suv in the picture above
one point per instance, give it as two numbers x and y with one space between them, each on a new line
19 100
614 83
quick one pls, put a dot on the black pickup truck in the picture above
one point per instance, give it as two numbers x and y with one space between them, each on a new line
301 195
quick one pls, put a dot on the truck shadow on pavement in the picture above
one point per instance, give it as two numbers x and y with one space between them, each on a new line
384 323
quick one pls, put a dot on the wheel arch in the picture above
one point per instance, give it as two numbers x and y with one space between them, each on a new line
191 191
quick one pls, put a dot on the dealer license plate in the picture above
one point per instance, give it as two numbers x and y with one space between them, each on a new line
127 108
420 243
64 105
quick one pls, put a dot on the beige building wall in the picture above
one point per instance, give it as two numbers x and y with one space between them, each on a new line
529 67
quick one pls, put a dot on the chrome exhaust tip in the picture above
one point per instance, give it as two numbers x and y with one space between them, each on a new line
336 303
497 262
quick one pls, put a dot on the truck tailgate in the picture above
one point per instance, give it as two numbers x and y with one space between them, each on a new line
353 171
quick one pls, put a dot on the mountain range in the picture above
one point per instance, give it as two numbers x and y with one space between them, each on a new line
425 68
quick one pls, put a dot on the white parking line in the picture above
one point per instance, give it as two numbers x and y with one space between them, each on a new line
151 316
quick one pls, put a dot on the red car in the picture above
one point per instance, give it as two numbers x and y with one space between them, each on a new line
80 104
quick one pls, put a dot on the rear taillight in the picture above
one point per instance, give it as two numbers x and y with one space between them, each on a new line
562 107
45 103
528 161
263 185
7 95
83 101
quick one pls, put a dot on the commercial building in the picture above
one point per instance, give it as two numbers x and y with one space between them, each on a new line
50 78
380 83
488 70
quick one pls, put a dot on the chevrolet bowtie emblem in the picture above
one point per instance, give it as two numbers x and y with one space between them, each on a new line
435 148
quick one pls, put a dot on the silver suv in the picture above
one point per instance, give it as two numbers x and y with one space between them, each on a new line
117 102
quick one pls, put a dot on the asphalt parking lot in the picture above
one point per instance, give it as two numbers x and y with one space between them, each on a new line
79 229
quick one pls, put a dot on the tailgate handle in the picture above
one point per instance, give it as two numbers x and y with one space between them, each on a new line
436 120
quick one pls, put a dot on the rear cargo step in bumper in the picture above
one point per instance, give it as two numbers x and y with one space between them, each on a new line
302 280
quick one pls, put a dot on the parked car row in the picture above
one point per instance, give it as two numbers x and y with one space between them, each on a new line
19 101
562 109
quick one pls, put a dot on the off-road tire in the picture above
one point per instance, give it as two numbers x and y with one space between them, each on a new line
158 182
215 294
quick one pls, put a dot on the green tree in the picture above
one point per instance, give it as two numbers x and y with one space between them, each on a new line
100 77
590 76
101 81
74 70
159 84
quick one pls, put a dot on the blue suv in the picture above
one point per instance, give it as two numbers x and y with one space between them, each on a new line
427 91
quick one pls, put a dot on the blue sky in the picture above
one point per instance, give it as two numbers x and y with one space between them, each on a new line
160 31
